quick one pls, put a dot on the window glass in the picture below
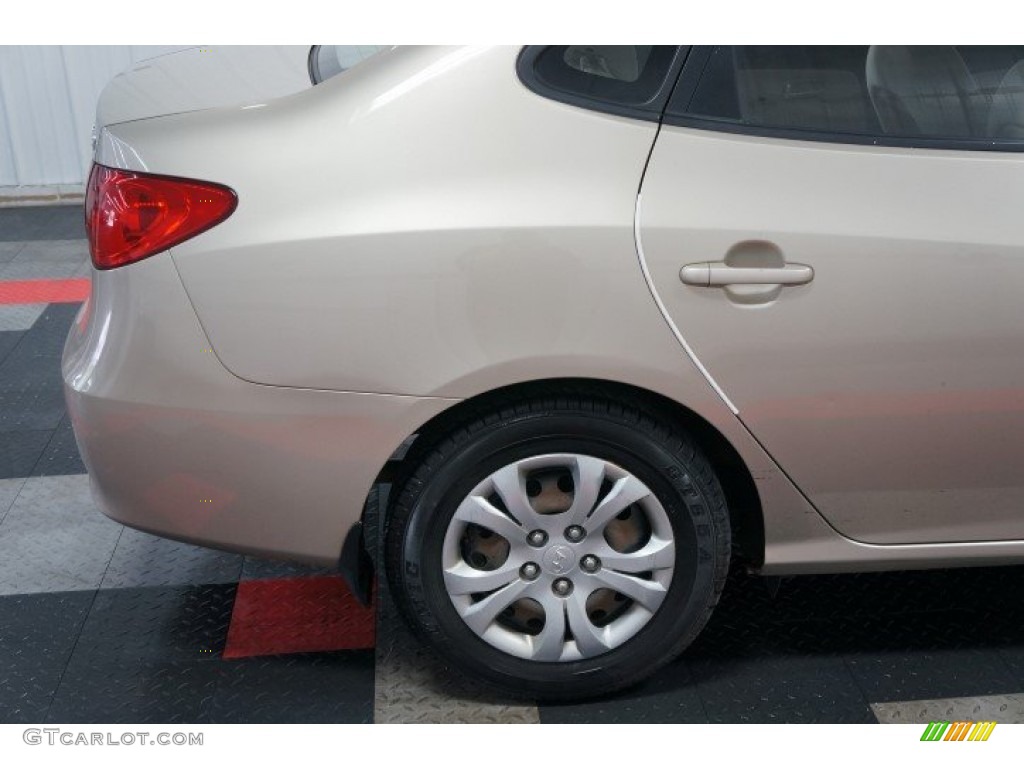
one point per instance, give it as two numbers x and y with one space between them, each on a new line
326 61
615 62
933 92
619 74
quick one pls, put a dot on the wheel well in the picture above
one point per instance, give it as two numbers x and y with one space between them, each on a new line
740 491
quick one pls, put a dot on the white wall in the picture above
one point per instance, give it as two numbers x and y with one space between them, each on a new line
47 104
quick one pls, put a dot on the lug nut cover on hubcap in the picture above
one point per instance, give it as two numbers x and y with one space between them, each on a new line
537 538
561 587
575 533
590 563
530 571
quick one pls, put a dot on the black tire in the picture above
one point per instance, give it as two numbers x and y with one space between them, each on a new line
631 433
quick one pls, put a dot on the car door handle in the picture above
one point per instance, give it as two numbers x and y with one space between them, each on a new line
708 274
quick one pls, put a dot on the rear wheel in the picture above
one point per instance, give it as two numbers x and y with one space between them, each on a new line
562 548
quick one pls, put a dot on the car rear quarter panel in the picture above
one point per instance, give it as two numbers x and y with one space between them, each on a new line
177 446
420 225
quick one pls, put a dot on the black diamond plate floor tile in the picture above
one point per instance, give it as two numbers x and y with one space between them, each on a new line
153 656
27 403
38 438
903 611
67 222
902 676
102 690
304 688
779 689
823 647
31 393
27 689
8 341
25 223
1013 656
37 634
20 451
158 624
765 658
301 688
261 568
48 333
61 456
44 222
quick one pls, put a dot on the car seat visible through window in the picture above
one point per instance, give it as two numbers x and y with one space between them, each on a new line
921 90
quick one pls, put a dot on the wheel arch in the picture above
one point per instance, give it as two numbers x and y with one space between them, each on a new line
744 503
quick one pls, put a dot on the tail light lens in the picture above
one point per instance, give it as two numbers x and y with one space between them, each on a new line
129 216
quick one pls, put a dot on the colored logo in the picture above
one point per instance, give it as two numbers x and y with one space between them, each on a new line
958 731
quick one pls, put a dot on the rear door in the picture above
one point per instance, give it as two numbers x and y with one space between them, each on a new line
838 235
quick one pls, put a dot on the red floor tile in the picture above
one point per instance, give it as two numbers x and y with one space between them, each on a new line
273 616
44 291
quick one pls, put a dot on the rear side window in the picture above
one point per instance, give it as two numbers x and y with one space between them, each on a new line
625 79
326 61
970 96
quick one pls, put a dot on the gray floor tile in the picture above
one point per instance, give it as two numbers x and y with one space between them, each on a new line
1008 708
52 251
54 538
670 696
19 317
9 250
9 490
142 560
412 685
39 270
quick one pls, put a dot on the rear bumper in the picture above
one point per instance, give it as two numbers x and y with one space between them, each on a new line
178 446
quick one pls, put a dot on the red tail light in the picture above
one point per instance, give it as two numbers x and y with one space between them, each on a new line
129 216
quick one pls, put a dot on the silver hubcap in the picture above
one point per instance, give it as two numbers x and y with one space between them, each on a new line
558 557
